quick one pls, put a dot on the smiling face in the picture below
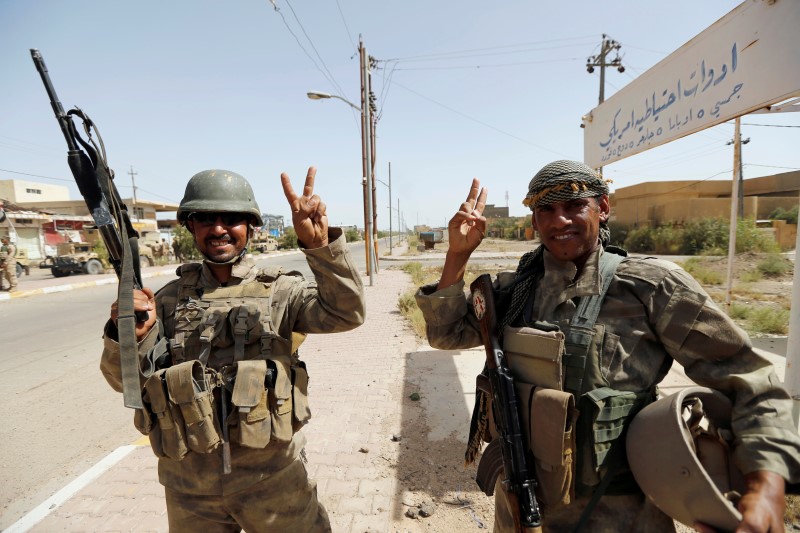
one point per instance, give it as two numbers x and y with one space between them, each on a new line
570 230
220 237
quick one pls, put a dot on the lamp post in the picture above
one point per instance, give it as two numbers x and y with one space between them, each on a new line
389 185
367 179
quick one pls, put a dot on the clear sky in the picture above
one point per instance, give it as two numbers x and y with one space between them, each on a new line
493 90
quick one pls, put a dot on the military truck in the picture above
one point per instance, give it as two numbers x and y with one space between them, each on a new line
263 242
22 262
151 248
74 258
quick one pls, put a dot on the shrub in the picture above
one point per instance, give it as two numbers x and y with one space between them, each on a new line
352 235
774 265
667 240
789 216
769 320
739 311
619 232
640 240
749 238
185 241
704 236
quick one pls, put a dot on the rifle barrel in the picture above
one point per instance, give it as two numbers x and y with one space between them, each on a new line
58 109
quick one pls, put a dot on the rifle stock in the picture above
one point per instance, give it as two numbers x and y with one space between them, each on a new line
95 183
519 483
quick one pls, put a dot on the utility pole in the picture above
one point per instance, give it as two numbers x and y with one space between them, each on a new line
132 174
373 115
390 208
600 60
737 143
366 145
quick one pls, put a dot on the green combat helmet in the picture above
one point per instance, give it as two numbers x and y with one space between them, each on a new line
679 450
220 191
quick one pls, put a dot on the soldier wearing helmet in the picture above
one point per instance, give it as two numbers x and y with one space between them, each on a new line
637 316
223 386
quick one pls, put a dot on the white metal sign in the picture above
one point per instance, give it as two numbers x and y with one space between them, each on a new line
748 59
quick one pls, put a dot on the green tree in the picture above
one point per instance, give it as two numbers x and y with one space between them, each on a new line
289 239
185 241
352 235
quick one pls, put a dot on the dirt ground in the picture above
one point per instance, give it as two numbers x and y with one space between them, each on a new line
434 478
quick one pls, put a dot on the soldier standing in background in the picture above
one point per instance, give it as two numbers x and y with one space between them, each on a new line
176 248
8 263
224 390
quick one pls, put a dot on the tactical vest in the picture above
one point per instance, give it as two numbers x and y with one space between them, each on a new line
223 339
575 354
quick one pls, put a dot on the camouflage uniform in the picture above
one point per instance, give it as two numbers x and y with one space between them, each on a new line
654 312
268 489
8 264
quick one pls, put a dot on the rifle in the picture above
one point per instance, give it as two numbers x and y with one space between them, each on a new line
95 182
519 482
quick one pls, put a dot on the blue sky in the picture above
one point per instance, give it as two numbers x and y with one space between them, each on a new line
493 90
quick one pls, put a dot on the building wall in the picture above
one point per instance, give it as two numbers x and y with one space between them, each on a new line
679 201
19 191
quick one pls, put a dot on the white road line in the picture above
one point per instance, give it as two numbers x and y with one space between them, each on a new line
45 508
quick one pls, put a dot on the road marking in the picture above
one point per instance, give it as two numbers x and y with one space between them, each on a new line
45 508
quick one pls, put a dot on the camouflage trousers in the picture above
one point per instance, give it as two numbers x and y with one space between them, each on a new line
9 271
613 514
284 502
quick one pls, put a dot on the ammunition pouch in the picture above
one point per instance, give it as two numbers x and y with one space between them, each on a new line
269 397
606 413
547 413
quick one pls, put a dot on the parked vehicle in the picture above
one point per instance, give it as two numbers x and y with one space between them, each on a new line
22 262
74 258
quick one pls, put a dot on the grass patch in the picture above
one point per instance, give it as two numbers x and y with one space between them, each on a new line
774 265
696 267
751 276
739 311
769 320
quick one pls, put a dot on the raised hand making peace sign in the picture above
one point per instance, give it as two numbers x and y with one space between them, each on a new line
309 217
465 231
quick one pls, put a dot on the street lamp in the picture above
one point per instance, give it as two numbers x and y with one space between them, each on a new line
366 154
317 95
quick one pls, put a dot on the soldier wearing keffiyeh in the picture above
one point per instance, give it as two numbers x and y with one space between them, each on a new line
652 314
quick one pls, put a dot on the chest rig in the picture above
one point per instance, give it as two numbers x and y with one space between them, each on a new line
232 377
224 325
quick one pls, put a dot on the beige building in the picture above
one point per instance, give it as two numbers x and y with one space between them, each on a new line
43 215
654 204
19 191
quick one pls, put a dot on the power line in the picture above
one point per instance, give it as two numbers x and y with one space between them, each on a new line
768 125
481 122
285 23
347 29
35 175
496 65
439 54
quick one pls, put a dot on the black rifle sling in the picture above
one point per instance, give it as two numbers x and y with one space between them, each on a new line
129 272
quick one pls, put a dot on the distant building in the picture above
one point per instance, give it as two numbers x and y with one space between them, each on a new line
491 211
43 215
656 203
22 191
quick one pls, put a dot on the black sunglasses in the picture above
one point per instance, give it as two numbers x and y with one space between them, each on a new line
228 219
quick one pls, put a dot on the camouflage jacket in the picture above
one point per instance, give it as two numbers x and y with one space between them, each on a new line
333 303
654 313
